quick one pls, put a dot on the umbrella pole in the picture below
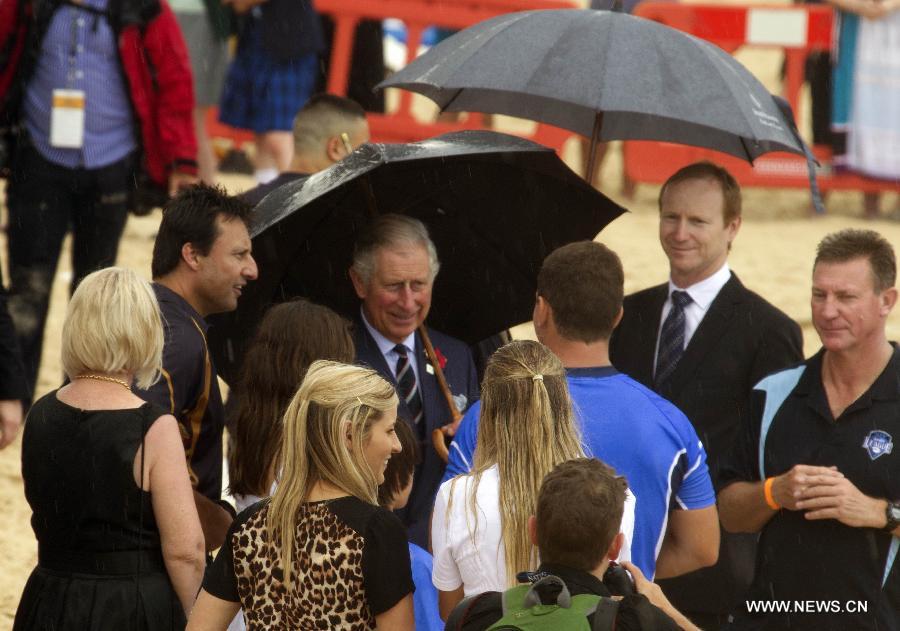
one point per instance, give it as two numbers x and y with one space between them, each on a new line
437 436
595 140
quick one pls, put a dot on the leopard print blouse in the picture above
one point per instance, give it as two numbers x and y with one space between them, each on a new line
351 563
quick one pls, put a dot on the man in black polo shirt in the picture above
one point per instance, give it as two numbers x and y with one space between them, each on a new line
201 262
576 531
817 472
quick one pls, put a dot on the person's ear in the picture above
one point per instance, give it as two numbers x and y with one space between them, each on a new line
358 285
532 530
888 300
618 318
191 256
334 149
615 547
348 435
541 310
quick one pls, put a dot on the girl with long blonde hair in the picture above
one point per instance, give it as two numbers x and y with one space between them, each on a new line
321 550
479 527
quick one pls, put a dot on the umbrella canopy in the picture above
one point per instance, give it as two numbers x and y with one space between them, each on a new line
646 81
495 206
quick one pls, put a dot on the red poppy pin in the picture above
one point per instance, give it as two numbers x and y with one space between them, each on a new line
442 361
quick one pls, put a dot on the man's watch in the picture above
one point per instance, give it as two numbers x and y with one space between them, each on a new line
892 513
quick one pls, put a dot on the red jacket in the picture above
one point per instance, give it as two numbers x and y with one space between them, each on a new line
155 63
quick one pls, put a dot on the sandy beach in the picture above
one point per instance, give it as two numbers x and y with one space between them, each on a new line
772 254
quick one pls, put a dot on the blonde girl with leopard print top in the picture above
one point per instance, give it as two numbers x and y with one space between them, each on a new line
321 553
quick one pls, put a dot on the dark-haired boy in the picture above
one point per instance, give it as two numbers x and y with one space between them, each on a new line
201 262
575 529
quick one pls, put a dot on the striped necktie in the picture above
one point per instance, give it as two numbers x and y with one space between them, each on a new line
671 339
407 387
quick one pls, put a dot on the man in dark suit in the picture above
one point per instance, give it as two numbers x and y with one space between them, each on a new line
702 341
393 272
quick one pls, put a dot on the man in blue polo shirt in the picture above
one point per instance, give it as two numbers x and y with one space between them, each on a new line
817 472
634 430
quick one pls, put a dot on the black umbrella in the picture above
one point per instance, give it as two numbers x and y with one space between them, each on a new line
495 206
607 76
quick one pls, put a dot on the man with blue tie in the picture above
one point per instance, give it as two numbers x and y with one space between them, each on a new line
702 341
394 267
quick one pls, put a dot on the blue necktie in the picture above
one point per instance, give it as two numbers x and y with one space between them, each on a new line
671 338
407 387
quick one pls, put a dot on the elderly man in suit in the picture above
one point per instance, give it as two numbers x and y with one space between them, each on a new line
393 272
702 341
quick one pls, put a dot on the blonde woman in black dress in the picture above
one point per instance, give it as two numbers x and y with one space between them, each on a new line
119 540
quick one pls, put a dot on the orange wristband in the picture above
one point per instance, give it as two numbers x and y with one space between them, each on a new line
767 492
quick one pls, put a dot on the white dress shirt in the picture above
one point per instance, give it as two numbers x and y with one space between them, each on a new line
386 347
702 295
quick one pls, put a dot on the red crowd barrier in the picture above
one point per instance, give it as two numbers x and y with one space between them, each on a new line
798 30
400 125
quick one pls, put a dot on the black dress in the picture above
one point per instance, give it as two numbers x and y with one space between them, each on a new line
100 562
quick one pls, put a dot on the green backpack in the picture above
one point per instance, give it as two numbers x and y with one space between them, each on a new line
523 610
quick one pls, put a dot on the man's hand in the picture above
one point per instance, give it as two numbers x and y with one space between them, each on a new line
790 487
10 420
655 595
838 498
178 181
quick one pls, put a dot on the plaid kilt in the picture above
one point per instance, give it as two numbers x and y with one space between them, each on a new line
261 94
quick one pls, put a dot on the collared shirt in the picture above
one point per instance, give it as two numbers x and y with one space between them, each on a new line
824 560
386 347
79 51
702 295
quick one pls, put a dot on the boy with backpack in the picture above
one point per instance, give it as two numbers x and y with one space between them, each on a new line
575 529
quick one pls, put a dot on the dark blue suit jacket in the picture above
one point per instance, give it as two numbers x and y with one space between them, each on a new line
463 381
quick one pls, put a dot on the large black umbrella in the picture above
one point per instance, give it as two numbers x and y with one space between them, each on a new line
495 206
607 76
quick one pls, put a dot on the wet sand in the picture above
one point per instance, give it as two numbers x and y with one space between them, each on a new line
772 255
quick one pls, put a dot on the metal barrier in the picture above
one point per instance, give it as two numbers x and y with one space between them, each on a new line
796 29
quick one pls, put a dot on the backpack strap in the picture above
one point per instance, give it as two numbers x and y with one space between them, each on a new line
460 614
605 615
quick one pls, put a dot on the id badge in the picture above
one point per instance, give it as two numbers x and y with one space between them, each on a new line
67 119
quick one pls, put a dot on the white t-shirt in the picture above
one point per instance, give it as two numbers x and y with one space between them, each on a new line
480 565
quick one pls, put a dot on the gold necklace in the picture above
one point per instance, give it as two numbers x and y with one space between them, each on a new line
121 382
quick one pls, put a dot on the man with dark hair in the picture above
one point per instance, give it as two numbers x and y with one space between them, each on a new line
702 341
578 304
326 130
817 464
575 529
394 267
201 262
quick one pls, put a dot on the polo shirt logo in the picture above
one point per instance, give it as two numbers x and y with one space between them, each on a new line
878 443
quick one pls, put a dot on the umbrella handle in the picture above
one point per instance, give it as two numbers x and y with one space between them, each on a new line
437 436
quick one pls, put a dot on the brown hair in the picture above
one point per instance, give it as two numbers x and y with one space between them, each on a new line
527 427
584 285
291 337
579 513
705 170
848 245
400 467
